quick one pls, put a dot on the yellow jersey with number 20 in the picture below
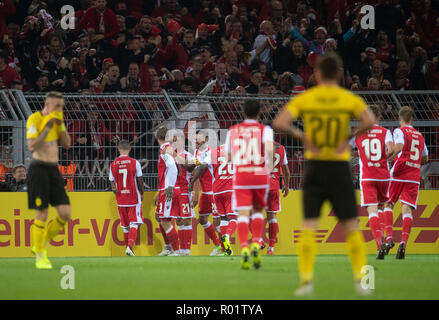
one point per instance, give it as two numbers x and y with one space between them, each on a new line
326 113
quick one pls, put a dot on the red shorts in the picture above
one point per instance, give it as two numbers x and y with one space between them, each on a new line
244 199
206 205
129 215
273 203
169 209
406 192
186 210
374 192
223 203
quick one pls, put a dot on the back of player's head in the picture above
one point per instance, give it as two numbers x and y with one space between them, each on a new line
329 66
161 132
54 94
376 110
124 145
252 108
406 114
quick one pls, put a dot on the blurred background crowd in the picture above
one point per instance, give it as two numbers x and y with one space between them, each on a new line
215 46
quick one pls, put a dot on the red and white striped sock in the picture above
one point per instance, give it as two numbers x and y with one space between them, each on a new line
210 230
231 227
165 237
258 224
173 237
375 228
181 236
381 220
273 229
388 223
223 226
406 226
188 237
243 224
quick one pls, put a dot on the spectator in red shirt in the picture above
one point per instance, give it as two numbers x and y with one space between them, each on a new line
385 49
100 22
7 73
432 75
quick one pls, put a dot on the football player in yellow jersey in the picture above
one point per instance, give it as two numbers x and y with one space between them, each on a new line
45 183
326 111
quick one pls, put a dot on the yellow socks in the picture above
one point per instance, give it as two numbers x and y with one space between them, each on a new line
306 250
356 249
38 235
53 228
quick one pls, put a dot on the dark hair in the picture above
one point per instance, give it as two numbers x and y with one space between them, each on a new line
329 65
406 113
160 134
124 145
4 55
376 110
252 108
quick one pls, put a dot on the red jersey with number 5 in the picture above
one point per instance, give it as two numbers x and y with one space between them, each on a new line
280 159
372 151
407 164
123 171
222 171
245 142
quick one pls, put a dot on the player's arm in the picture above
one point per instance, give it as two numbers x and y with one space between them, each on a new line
33 144
170 175
267 139
424 155
397 145
64 137
284 123
367 120
389 145
286 176
113 187
139 179
196 174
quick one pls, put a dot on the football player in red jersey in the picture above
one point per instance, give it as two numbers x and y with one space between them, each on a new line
127 184
410 153
169 194
273 205
249 145
185 165
206 204
373 148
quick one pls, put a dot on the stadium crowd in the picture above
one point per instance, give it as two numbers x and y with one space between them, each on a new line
215 46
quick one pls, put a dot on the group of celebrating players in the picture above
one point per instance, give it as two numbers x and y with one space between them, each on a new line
240 179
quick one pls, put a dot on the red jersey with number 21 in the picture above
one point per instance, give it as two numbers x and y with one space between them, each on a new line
123 171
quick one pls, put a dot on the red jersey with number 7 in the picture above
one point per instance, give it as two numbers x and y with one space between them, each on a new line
407 164
372 151
123 171
246 143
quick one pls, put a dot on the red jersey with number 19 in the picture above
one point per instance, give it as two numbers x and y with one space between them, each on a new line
123 171
372 150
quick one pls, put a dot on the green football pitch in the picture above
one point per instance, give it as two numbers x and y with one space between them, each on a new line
186 278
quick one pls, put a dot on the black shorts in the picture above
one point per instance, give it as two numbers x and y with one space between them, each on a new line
329 180
45 185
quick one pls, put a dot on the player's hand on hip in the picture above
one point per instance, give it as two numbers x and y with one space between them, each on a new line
169 193
310 146
190 187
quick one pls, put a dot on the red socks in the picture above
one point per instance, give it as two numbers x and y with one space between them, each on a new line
388 223
243 223
376 230
231 227
210 230
165 237
125 237
273 229
381 220
258 224
172 237
406 227
185 236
